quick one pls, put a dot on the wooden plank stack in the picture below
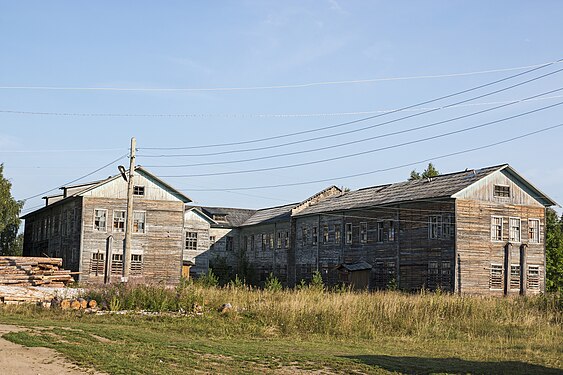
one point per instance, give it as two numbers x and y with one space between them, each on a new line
33 271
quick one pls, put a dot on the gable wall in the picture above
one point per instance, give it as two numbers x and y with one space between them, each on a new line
117 189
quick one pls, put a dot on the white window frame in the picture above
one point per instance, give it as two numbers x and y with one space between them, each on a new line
515 277
193 241
99 228
533 277
136 264
496 267
434 221
325 233
537 236
363 232
144 222
121 220
494 227
348 233
510 237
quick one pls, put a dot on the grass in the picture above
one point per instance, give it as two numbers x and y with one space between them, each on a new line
283 331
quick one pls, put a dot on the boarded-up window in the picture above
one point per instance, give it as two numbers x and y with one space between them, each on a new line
514 229
496 276
100 218
534 230
136 264
434 226
138 222
363 232
118 221
337 234
380 227
502 191
97 264
117 264
304 235
515 276
325 233
533 277
496 228
348 233
191 240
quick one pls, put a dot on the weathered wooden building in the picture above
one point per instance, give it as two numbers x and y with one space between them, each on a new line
85 225
476 231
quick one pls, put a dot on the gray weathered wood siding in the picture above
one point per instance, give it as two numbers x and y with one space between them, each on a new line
160 246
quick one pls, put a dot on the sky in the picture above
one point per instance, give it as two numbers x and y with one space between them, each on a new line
78 80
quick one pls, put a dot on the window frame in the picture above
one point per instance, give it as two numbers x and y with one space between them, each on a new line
105 228
533 275
538 237
337 234
348 233
144 222
510 238
493 230
363 232
504 191
496 272
434 221
114 229
191 242
139 190
325 233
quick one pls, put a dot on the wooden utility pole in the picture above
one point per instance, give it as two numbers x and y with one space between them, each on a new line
129 217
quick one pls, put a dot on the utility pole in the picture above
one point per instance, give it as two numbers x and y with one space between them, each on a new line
129 217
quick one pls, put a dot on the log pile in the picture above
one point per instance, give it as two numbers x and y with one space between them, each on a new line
33 271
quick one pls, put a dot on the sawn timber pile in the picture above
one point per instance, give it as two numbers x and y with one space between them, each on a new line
33 271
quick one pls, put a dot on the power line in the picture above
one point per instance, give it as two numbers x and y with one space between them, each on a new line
350 142
63 150
79 178
253 115
390 168
369 151
355 121
273 87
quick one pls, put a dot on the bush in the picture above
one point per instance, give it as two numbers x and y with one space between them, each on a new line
272 284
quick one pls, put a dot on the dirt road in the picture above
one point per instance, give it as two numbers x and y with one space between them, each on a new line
17 359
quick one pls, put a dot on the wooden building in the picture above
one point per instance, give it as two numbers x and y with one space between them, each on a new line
476 231
85 225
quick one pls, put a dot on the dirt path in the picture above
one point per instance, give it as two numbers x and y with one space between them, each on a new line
17 359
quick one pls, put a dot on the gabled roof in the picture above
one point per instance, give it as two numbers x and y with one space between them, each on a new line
442 186
270 215
234 216
93 185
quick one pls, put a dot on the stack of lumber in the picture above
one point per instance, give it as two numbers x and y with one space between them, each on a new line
25 294
33 271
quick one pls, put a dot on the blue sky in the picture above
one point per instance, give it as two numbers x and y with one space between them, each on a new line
249 44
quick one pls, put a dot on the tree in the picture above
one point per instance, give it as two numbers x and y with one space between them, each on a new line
430 171
554 251
10 242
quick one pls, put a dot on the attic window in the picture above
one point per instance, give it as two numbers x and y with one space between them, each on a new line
139 191
220 217
502 191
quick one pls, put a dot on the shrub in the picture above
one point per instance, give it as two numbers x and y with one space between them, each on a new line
272 284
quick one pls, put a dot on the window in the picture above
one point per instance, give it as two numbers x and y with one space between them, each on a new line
97 264
363 232
434 226
100 217
118 221
139 191
286 240
315 236
252 243
117 264
337 234
191 240
264 241
325 233
304 235
138 222
69 222
279 242
496 228
220 217
63 226
495 278
514 229
432 275
502 191
533 277
212 240
348 233
272 236
515 276
136 264
380 231
447 226
230 244
57 224
391 233
534 230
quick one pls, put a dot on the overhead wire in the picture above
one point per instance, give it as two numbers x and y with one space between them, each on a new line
270 87
368 151
357 120
389 168
362 140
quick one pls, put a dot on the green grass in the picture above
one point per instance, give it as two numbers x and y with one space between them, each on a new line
305 330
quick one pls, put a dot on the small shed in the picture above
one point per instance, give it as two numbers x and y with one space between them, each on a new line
355 274
186 266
